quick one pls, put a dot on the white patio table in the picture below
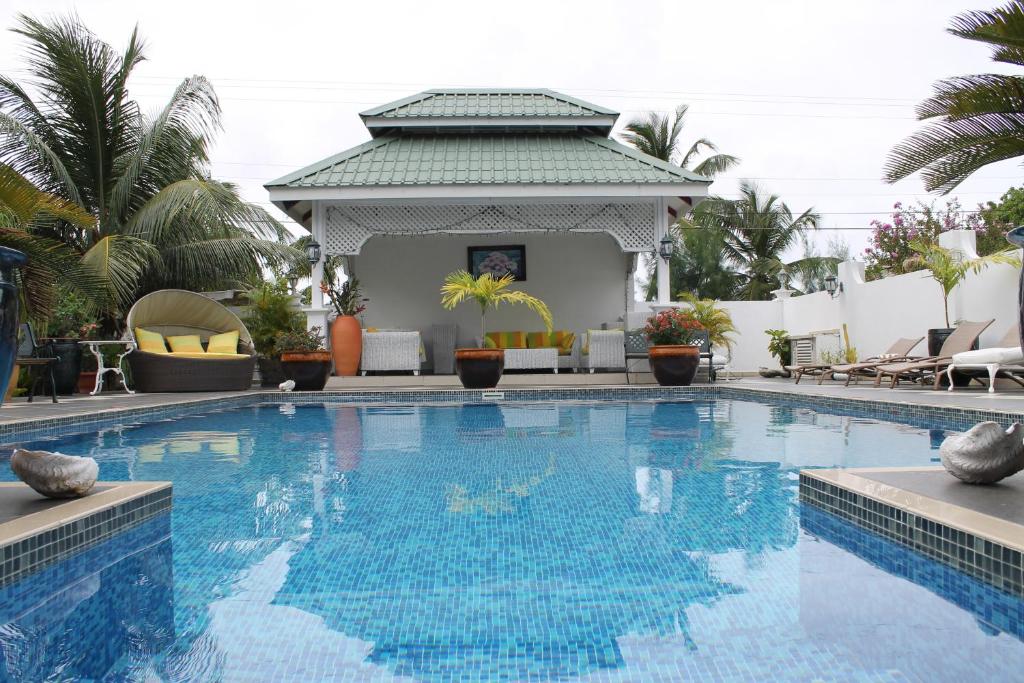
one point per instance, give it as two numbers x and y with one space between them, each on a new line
101 369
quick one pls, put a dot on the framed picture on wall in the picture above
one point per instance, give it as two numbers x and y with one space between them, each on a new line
498 261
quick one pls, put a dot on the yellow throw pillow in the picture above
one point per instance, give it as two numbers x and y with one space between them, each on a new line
223 343
188 343
150 342
564 340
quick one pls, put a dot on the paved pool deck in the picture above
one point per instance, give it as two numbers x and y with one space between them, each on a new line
1008 401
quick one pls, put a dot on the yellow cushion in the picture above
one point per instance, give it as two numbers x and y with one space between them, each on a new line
489 343
223 343
508 340
188 343
211 356
150 342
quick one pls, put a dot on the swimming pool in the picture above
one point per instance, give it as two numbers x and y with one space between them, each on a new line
601 541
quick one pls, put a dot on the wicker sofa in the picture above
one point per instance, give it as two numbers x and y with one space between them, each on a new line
178 312
526 345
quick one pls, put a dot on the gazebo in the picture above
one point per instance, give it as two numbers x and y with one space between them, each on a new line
530 175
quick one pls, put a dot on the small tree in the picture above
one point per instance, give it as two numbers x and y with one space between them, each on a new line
488 292
949 272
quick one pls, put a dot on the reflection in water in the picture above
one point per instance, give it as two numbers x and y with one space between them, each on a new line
512 541
108 611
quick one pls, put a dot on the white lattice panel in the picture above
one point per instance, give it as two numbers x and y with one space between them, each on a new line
630 223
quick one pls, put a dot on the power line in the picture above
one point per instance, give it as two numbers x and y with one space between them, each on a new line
399 86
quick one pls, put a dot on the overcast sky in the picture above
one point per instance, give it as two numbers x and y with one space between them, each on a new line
811 95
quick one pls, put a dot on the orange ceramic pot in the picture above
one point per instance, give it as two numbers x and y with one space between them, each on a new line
674 366
346 345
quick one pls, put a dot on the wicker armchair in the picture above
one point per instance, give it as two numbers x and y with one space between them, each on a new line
179 312
391 350
606 350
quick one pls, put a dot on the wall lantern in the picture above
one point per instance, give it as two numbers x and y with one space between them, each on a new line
833 286
313 252
665 247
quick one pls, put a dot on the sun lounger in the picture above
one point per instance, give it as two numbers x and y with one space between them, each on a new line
1004 359
961 339
899 351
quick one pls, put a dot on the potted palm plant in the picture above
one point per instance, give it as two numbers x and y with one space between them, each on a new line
270 312
948 270
346 332
481 368
713 318
304 359
673 353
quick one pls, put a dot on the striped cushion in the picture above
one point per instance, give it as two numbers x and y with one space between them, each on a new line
508 340
560 339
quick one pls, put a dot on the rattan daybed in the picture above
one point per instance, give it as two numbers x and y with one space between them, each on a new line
178 312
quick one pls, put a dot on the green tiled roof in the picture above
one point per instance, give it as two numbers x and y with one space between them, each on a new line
481 158
484 103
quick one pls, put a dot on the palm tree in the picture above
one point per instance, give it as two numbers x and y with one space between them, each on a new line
757 231
489 292
24 211
697 265
159 220
658 136
977 119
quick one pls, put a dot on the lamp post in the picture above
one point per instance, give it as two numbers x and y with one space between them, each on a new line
665 248
313 252
833 286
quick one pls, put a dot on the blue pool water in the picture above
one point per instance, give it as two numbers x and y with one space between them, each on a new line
637 541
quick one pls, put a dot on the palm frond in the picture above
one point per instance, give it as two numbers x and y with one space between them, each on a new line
120 261
716 164
1002 28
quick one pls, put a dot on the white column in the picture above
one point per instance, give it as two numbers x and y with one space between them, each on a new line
316 314
660 230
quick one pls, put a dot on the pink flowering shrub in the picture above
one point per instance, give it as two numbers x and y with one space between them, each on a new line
672 327
889 251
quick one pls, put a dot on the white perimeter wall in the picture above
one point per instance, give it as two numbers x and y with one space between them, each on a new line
581 277
878 312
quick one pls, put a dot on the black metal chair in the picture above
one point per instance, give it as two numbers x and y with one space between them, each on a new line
39 367
705 352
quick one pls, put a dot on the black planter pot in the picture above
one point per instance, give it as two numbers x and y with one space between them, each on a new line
9 314
271 372
674 366
68 353
479 368
309 371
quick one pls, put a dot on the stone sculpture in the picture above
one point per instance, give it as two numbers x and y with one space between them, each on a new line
55 475
287 385
985 453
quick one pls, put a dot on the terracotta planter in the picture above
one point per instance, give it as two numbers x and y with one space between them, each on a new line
86 381
674 366
346 345
308 369
479 368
